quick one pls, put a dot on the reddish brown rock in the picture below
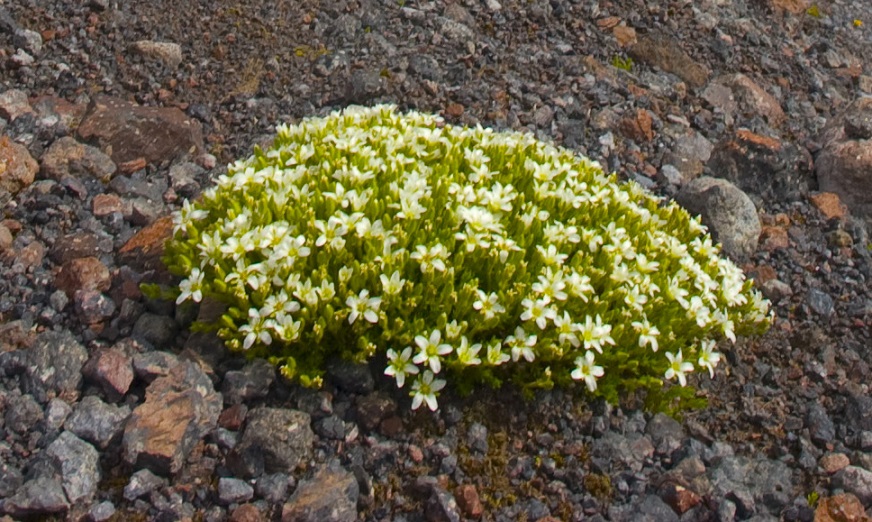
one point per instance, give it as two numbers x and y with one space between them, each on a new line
763 165
791 6
84 273
66 157
637 126
105 204
233 417
679 498
13 103
5 239
112 370
773 238
17 167
331 494
833 462
144 250
247 513
624 35
179 410
665 53
737 94
468 501
127 132
74 246
840 508
829 204
67 113
32 254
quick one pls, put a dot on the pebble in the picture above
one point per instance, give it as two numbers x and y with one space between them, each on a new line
234 491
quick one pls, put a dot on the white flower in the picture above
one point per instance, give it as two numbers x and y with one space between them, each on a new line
495 355
522 345
586 370
254 330
192 287
488 305
392 285
550 255
677 367
431 349
594 334
579 286
707 358
635 299
363 304
538 311
566 330
425 389
434 257
400 366
453 330
647 334
467 354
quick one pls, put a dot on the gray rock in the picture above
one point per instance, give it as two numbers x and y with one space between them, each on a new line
330 496
819 424
776 290
23 414
859 410
102 511
40 496
476 438
79 464
622 452
650 508
158 330
92 306
665 432
726 210
167 52
820 302
96 421
749 482
372 409
142 483
274 487
56 414
274 440
149 366
330 427
252 382
10 479
52 367
441 506
351 377
234 491
856 480
30 41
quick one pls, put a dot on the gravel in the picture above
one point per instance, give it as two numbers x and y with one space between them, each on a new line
112 113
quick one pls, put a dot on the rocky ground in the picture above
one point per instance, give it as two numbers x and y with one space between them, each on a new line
111 113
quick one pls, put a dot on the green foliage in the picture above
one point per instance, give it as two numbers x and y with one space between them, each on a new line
480 255
622 63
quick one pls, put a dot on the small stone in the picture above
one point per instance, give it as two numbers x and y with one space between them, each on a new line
18 166
351 377
773 238
246 513
840 508
274 440
776 290
106 204
820 302
372 409
144 250
833 462
142 483
84 273
52 367
74 246
234 491
233 417
476 438
468 501
252 382
102 511
40 496
855 480
829 204
167 52
79 464
149 366
330 427
112 370
23 414
441 507
679 498
14 103
67 157
56 413
97 422
30 41
274 487
637 126
665 53
158 330
331 494
92 306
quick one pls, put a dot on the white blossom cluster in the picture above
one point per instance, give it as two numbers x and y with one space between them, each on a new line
461 250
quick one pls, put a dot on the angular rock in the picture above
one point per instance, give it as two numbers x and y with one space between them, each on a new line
840 508
68 157
97 422
84 273
689 155
744 98
149 366
102 511
274 440
52 367
844 164
56 414
749 482
372 409
441 507
469 501
234 491
167 52
331 495
179 410
13 103
17 167
252 382
857 481
144 250
76 245
665 53
112 370
727 211
22 414
79 464
93 307
40 496
350 377
764 166
274 488
158 330
142 483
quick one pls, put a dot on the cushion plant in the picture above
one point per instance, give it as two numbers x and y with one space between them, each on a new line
454 251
